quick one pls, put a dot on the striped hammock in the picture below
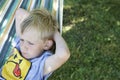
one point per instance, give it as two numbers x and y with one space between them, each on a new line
7 22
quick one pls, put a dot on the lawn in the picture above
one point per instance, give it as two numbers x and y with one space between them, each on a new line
91 29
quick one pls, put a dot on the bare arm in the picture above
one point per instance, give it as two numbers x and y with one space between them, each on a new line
61 55
20 15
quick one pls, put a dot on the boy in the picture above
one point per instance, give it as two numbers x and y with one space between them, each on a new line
32 58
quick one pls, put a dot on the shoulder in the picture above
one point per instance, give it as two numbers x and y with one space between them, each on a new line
41 59
38 66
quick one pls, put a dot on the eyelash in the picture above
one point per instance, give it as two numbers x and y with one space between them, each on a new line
30 43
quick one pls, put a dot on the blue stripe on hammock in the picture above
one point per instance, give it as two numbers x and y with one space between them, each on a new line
5 16
6 47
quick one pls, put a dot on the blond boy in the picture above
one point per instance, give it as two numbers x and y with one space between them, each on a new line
37 31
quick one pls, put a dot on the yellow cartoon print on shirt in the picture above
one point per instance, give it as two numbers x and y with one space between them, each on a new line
16 67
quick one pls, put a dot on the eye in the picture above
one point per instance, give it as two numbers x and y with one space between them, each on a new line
31 43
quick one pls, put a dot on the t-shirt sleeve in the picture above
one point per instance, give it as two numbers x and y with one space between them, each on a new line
38 68
1 78
47 76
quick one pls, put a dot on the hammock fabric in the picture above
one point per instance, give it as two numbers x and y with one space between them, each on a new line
7 22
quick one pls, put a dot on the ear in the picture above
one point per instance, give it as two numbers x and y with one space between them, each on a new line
48 44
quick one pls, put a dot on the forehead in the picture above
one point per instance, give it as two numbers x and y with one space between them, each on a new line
31 35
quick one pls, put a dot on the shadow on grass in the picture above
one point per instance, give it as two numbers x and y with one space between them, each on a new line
91 30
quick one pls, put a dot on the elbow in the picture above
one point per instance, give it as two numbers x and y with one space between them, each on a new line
63 55
18 11
66 56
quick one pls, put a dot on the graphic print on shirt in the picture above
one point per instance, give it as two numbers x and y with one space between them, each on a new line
16 67
17 70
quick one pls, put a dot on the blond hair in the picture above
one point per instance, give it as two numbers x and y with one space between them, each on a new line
42 21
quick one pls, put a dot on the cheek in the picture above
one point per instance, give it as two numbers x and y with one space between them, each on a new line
35 50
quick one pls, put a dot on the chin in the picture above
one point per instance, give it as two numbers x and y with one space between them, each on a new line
26 57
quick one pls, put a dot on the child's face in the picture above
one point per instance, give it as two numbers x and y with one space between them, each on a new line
30 44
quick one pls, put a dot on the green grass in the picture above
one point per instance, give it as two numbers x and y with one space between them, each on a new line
92 32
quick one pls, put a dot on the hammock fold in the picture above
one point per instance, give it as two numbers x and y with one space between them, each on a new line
7 20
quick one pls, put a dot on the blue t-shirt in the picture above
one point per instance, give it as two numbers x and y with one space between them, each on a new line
37 66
